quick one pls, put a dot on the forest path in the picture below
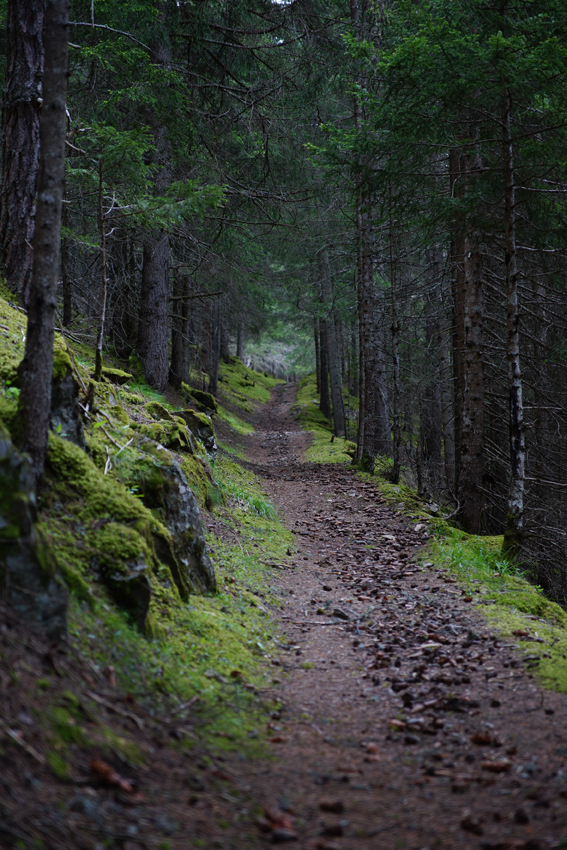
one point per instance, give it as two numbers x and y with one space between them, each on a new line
406 723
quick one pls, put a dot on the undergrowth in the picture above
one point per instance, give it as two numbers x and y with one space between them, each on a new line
209 651
323 448
514 607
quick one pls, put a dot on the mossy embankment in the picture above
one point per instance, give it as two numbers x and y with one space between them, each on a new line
106 514
501 593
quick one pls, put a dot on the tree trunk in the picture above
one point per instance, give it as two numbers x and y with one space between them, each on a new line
66 284
103 277
317 353
333 352
336 378
215 349
471 452
444 361
513 535
177 365
325 398
20 142
152 342
154 292
396 422
240 341
35 397
366 444
224 349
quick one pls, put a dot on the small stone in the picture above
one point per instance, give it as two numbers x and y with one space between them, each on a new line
281 834
335 806
469 824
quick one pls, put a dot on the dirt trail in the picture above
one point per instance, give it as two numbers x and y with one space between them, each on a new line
406 723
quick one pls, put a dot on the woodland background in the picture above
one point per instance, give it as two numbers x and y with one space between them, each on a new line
376 189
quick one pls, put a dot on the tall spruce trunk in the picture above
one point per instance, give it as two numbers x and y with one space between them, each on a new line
396 378
153 335
446 384
333 352
324 398
335 378
240 340
20 142
471 450
224 349
152 345
317 340
177 364
468 351
514 533
37 368
374 426
215 348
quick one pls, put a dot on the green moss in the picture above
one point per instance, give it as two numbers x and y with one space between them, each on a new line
57 763
119 414
116 376
204 401
172 435
323 448
61 360
508 601
158 411
244 387
12 341
199 478
235 422
65 726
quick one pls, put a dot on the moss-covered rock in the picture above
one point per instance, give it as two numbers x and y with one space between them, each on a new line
116 376
201 426
173 435
205 402
65 417
28 574
158 411
123 561
168 492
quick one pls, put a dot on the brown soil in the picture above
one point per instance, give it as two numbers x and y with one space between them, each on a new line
405 722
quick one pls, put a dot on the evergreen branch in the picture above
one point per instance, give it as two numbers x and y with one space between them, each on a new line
110 29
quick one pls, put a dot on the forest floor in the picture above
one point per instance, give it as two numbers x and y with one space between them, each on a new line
402 721
405 723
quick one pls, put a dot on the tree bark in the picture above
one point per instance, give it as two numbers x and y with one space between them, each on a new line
177 365
103 276
325 398
471 453
224 349
154 292
317 353
215 348
396 412
240 341
335 378
513 536
35 397
20 142
152 345
333 353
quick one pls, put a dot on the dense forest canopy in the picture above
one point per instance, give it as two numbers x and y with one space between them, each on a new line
376 187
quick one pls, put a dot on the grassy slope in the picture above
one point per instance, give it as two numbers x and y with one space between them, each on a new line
514 607
210 649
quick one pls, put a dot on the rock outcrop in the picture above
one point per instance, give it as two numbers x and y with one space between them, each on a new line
28 576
